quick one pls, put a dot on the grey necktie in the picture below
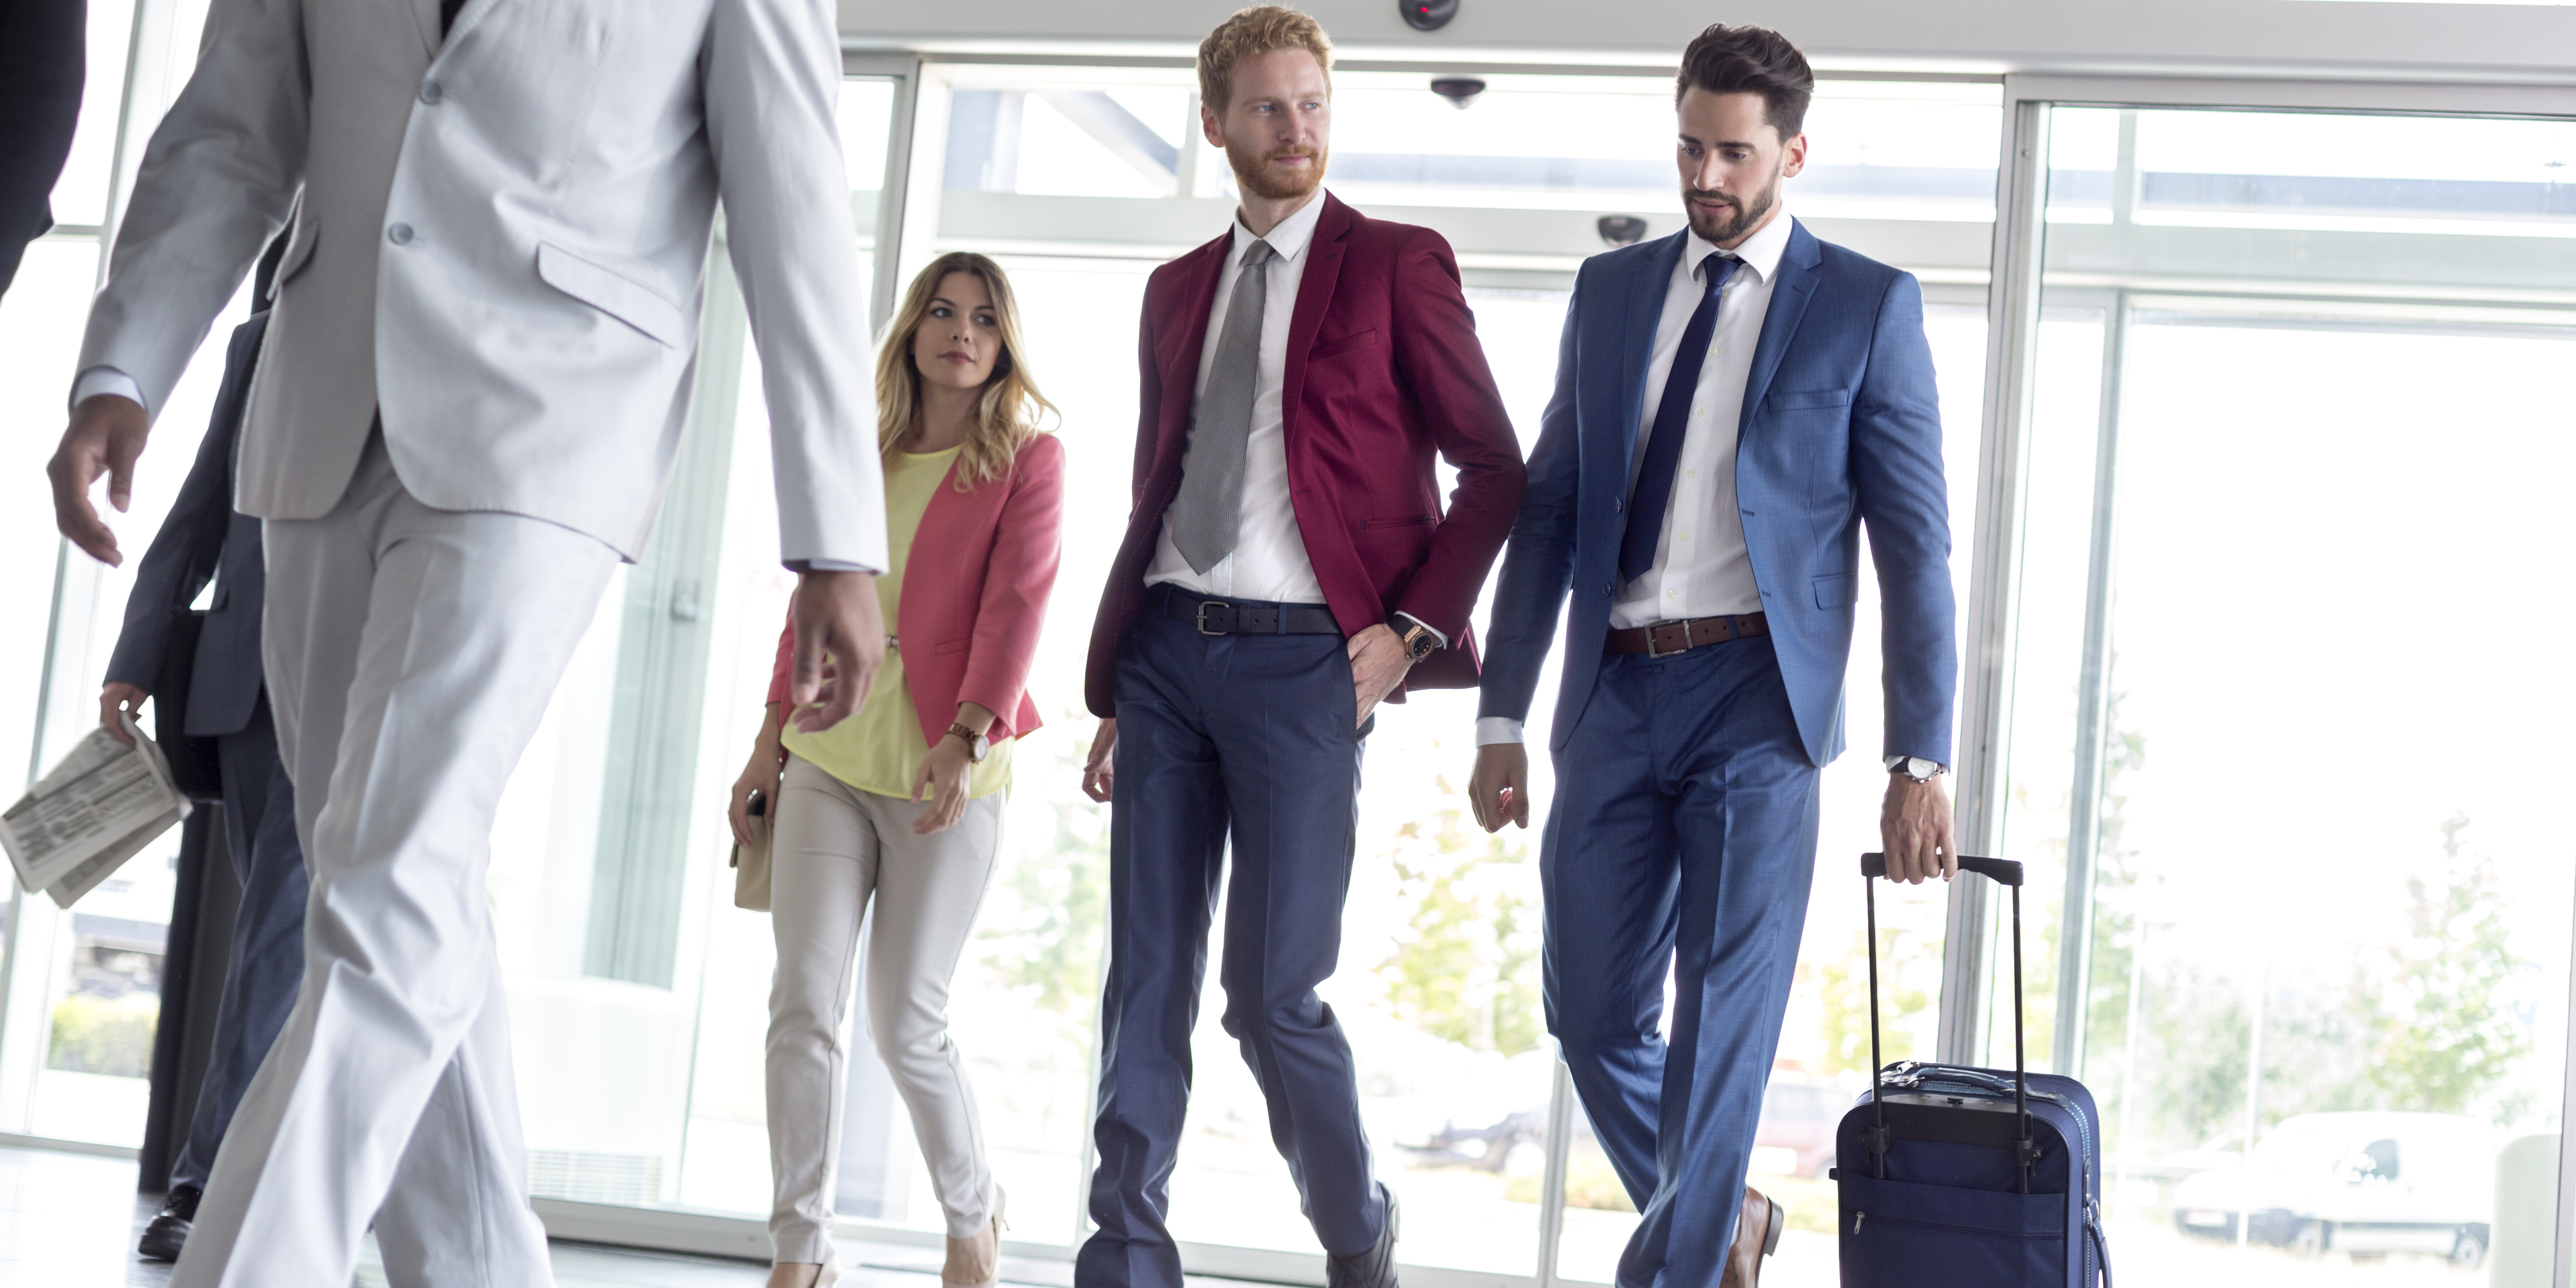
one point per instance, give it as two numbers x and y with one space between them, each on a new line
1207 515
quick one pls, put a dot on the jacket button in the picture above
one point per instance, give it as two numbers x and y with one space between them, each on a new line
399 234
431 93
1605 588
1617 504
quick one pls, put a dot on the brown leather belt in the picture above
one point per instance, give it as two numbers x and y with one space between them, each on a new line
1663 639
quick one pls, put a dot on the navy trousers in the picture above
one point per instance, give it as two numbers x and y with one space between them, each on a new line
268 934
1248 737
1684 835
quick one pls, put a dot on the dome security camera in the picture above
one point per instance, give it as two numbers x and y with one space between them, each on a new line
1427 15
1459 90
1621 230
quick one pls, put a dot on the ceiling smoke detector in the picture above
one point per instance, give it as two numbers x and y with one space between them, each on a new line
1459 90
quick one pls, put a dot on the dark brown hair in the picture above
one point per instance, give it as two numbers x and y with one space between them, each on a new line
1751 60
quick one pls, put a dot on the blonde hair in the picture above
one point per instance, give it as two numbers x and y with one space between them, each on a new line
1250 33
1006 418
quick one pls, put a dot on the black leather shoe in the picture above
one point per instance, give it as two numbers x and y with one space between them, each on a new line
168 1232
1374 1268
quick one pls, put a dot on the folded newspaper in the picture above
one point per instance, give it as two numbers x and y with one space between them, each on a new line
100 807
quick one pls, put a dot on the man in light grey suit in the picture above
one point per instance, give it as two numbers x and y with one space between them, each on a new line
483 338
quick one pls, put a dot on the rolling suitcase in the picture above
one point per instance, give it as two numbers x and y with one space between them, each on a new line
1955 1177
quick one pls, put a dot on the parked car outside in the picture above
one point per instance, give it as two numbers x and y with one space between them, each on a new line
2366 1184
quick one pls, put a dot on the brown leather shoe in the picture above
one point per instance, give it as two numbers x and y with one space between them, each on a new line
1757 1235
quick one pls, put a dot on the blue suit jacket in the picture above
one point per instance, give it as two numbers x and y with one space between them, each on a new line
224 689
1841 427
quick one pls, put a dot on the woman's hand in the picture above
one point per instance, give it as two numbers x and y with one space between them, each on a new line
759 774
942 781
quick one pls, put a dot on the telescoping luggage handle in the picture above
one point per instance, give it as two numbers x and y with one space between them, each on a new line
2005 872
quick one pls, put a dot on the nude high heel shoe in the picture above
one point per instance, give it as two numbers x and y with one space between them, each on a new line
803 1274
976 1262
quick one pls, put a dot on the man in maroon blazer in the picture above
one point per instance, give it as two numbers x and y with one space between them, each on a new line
1287 566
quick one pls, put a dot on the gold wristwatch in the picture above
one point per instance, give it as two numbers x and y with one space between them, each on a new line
977 745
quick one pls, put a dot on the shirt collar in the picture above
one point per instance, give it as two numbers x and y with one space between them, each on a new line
1288 240
1760 252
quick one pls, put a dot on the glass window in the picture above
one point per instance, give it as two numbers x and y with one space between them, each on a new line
2285 395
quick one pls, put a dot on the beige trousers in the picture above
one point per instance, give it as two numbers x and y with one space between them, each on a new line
835 849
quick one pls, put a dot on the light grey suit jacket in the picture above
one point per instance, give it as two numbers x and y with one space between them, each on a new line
501 244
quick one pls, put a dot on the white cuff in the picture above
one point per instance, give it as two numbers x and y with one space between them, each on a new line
107 380
1494 729
834 565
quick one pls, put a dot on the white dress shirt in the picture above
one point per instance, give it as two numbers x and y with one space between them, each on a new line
1701 568
1269 560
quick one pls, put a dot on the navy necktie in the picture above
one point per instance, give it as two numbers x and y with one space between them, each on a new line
1654 490
447 14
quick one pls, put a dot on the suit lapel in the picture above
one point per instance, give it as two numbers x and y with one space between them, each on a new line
1181 346
1789 299
1314 296
1647 286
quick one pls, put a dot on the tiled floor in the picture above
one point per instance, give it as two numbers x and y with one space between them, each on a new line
70 1221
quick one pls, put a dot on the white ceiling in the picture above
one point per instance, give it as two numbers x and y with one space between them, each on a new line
2437 41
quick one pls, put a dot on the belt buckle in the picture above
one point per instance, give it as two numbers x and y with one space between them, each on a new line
1202 622
1654 653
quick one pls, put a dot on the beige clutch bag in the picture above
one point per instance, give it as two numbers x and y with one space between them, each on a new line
751 862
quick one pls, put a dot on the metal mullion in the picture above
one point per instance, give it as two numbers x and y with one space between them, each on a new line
2012 310
905 71
2092 711
1551 1185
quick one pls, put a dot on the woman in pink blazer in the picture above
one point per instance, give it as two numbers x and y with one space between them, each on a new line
902 802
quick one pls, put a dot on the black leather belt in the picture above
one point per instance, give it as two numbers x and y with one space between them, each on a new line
1222 617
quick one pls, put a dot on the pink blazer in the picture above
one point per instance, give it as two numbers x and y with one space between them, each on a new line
975 589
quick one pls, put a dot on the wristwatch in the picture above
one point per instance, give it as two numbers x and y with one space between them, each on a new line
1419 641
977 745
1916 768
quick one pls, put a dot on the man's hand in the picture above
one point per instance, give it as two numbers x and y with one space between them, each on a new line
105 437
118 699
1914 829
1378 664
1499 789
1099 769
840 643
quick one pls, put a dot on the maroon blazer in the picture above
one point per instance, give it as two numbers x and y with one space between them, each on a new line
1384 371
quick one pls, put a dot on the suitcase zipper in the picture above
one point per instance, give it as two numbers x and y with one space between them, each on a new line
1858 1217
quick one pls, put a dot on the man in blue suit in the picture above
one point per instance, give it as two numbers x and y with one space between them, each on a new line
1733 404
227 700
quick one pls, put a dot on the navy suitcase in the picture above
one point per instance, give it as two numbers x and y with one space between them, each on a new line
1953 1177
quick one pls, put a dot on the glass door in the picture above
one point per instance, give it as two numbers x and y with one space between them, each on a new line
2287 694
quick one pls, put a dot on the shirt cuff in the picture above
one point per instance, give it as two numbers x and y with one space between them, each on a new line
106 380
829 565
1896 762
1494 729
1435 631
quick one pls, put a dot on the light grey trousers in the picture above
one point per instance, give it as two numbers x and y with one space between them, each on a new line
410 653
836 848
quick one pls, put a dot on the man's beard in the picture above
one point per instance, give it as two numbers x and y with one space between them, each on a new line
1718 231
1257 179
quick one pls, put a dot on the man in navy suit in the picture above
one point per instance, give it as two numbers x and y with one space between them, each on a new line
227 700
42 61
1733 404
